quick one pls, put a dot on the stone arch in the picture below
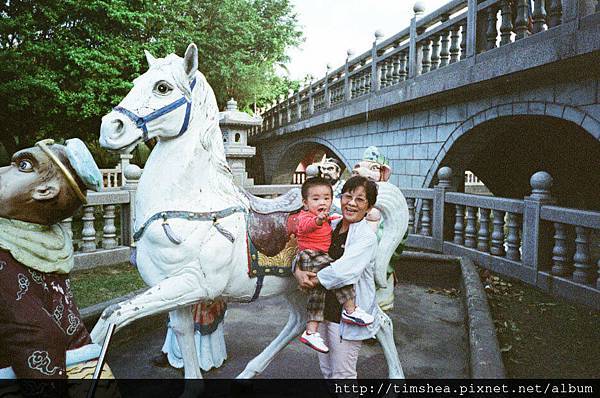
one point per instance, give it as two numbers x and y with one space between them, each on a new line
291 157
535 115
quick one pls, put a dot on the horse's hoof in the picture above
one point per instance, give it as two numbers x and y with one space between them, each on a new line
247 374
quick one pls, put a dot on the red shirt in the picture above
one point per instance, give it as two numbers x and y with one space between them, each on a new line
312 236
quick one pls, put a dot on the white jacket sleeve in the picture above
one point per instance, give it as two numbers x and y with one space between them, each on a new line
358 254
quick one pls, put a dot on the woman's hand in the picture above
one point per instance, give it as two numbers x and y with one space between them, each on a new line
306 279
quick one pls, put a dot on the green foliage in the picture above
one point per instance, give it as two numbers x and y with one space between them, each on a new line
65 64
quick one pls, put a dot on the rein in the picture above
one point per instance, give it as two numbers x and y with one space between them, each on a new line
141 121
213 216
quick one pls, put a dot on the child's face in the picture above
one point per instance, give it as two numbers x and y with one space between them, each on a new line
318 199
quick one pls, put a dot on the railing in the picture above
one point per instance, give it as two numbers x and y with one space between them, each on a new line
101 231
112 178
531 240
458 30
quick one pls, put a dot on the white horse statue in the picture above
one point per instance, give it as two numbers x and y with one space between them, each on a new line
190 218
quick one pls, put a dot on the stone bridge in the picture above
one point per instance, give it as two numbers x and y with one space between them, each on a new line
499 88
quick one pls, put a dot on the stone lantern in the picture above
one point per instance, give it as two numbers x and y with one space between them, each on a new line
235 125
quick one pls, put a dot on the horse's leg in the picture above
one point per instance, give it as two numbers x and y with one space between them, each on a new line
385 336
172 293
295 324
183 327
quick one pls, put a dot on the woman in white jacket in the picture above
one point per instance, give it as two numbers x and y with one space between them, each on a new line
353 247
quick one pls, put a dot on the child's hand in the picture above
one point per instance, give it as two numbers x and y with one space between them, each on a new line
321 217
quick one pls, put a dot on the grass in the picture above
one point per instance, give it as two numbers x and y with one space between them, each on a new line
542 336
104 283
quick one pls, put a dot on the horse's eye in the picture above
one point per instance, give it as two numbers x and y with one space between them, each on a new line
163 88
25 166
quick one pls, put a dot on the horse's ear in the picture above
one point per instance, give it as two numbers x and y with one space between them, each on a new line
190 60
150 58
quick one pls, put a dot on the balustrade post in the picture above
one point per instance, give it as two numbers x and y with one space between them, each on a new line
497 248
347 88
426 60
375 66
326 98
491 33
537 235
463 39
311 100
445 49
560 260
403 61
506 27
598 262
88 233
471 227
582 261
435 53
483 235
513 240
288 106
555 13
471 31
442 214
411 215
133 174
454 44
459 225
413 65
539 17
298 105
109 231
125 159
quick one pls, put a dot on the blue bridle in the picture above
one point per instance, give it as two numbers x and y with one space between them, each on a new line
141 121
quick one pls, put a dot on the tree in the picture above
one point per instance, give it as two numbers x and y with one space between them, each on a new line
65 64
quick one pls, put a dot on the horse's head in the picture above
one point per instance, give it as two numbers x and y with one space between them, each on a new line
158 105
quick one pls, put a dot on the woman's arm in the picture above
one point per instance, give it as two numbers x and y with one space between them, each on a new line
348 268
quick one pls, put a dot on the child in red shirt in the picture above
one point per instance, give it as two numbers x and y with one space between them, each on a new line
314 238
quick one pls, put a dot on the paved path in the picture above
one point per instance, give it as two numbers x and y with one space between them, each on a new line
429 330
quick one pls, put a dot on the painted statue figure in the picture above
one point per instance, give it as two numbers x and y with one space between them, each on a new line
331 170
41 332
376 167
195 229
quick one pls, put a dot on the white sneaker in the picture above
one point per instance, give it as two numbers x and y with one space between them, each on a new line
358 317
314 341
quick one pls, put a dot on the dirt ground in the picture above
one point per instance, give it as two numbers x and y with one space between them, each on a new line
542 336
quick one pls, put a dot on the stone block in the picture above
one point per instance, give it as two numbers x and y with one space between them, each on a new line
520 108
428 134
424 166
443 131
505 110
413 167
536 108
456 113
433 149
573 115
476 107
491 113
379 139
539 94
407 121
420 151
404 181
372 127
388 138
395 179
413 136
398 137
421 119
575 93
406 152
394 123
382 125
591 126
554 110
399 166
437 116
417 181
592 110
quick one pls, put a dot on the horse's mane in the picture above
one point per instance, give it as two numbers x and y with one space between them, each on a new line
211 138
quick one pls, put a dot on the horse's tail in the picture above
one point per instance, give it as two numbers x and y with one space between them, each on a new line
394 212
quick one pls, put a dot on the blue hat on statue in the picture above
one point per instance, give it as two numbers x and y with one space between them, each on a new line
372 153
84 164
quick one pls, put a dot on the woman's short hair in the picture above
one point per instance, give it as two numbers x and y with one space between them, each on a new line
360 181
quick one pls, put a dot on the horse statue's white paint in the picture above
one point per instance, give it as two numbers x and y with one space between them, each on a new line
188 172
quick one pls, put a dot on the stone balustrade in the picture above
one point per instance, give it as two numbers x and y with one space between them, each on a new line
531 240
455 32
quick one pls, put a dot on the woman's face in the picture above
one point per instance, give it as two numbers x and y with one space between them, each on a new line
355 205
